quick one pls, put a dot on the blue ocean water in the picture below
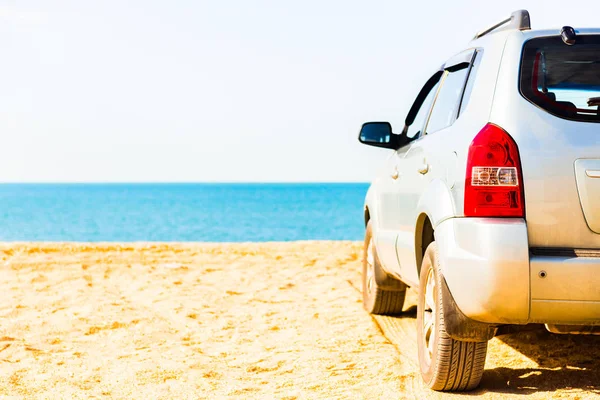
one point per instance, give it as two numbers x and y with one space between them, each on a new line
181 212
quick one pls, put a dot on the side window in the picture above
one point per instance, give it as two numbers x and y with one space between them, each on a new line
470 82
414 130
448 99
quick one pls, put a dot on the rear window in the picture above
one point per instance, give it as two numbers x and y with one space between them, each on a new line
563 80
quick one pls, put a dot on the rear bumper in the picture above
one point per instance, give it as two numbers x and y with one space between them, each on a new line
493 278
569 292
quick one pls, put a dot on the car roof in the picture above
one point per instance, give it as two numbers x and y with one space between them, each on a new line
499 38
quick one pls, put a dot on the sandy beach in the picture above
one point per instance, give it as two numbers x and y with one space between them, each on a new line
272 320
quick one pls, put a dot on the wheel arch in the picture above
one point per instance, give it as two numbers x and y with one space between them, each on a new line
424 235
435 205
370 208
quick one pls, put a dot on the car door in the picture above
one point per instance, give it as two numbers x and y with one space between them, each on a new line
390 183
388 209
430 157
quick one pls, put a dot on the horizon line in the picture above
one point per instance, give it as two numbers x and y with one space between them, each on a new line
174 182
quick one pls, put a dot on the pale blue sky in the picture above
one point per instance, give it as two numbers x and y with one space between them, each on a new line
223 90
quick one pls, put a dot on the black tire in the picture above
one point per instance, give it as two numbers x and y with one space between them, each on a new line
382 294
446 364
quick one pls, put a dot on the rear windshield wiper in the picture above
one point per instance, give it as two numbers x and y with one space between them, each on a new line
593 101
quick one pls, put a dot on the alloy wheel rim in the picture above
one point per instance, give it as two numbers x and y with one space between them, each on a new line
429 315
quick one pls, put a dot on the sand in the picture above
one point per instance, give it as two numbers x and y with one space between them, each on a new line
274 320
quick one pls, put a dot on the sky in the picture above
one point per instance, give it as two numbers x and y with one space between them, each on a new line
223 90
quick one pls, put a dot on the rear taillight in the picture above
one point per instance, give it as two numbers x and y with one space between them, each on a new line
494 182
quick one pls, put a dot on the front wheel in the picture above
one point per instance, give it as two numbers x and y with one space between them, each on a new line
446 364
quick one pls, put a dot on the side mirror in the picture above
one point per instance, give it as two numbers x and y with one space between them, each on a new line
378 134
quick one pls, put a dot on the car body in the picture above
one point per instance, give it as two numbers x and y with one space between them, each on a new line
533 255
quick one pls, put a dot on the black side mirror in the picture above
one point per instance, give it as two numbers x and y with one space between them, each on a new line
378 134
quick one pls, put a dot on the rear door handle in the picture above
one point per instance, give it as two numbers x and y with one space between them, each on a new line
423 169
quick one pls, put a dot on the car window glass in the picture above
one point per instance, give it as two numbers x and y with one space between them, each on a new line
470 82
415 128
563 80
447 101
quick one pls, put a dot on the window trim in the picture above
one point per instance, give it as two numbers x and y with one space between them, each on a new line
418 103
477 53
442 81
421 97
455 64
438 78
461 58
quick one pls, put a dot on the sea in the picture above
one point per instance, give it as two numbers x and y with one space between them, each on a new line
174 212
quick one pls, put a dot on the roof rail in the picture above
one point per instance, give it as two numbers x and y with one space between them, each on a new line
518 20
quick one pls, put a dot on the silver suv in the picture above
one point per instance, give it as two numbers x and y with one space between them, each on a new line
490 201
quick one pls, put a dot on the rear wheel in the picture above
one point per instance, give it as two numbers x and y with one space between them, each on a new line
378 298
446 364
